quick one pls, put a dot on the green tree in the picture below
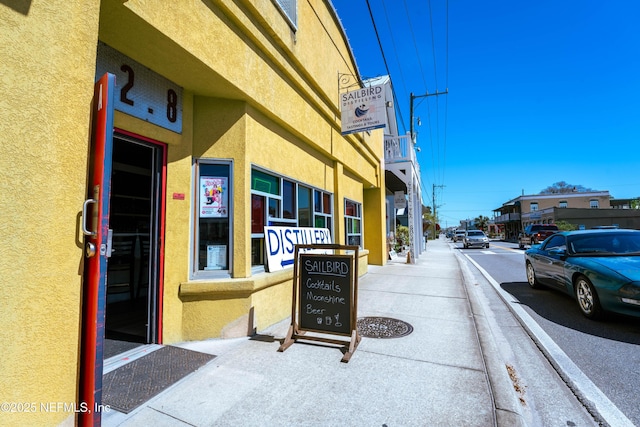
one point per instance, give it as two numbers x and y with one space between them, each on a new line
429 222
566 226
482 222
402 237
561 187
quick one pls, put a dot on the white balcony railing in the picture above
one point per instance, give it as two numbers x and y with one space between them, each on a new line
398 149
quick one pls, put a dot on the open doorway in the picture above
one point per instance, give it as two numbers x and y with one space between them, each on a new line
135 223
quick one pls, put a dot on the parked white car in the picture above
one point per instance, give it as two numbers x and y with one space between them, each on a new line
459 235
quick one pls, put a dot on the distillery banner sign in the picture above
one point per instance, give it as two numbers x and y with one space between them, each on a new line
280 243
363 109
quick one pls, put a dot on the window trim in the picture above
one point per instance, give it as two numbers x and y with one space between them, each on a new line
294 222
326 198
351 217
194 271
287 10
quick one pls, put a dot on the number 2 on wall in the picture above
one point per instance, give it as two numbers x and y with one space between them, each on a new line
172 96
126 88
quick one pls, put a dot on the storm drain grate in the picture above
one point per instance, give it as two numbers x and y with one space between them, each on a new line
383 327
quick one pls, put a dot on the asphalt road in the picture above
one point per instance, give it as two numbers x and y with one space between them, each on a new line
606 352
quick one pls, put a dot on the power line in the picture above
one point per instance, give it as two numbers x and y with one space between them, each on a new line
415 46
384 59
446 102
433 46
393 44
437 129
435 77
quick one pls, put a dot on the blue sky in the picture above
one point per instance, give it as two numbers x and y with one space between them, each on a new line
538 92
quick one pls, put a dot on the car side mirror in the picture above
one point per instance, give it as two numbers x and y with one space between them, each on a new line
559 252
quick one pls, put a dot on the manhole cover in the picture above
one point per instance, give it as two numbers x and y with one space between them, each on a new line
383 327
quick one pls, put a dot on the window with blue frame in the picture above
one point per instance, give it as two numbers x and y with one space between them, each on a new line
353 223
279 201
212 249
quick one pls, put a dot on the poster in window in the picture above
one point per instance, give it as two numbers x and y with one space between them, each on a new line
214 197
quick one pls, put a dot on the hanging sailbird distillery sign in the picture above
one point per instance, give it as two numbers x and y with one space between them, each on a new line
363 109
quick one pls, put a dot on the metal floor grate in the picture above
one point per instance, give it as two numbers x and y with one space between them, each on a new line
383 327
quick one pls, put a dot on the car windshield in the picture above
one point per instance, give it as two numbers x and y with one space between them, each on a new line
605 244
475 233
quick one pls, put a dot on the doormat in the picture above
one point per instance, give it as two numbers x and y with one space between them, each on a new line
115 347
129 386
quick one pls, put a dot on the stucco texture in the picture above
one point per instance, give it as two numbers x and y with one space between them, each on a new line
256 93
44 120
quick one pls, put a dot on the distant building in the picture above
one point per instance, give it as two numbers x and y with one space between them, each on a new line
625 203
582 209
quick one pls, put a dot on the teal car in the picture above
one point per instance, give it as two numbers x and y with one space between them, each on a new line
599 268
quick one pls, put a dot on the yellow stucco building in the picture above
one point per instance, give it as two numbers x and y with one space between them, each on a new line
226 120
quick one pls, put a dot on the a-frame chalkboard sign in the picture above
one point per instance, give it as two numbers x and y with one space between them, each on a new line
325 296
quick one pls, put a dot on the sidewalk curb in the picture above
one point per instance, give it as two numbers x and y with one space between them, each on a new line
506 404
597 404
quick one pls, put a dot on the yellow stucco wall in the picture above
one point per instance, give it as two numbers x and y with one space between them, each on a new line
44 123
225 129
374 222
255 68
255 92
275 92
177 211
272 304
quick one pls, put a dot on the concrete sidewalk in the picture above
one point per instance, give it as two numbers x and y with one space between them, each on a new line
446 372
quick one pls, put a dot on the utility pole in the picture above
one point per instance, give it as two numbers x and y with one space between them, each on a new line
413 141
435 216
412 97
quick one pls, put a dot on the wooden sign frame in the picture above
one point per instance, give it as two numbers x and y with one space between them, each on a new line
331 275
